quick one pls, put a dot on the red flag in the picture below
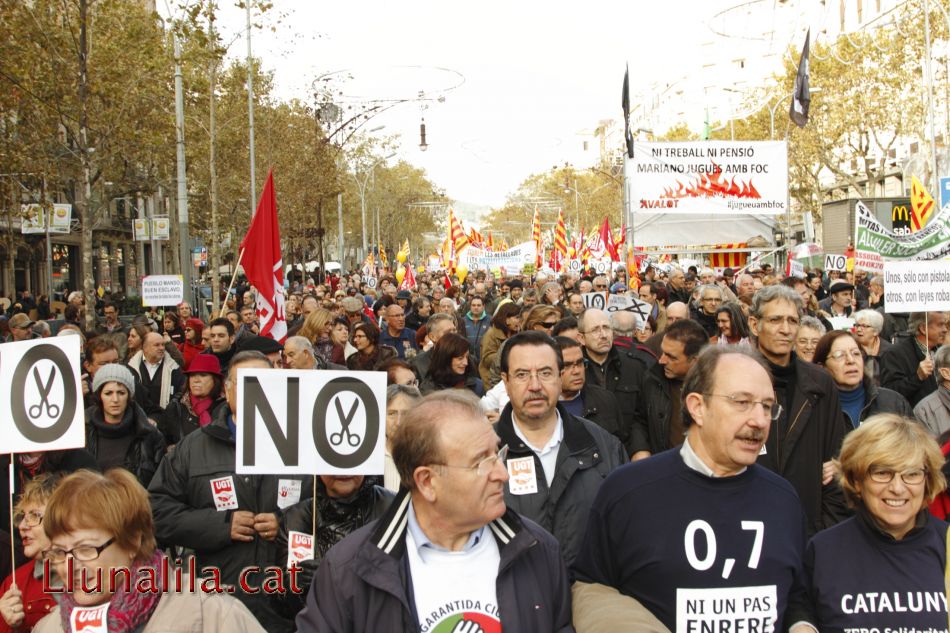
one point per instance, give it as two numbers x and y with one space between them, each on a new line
409 279
608 240
263 265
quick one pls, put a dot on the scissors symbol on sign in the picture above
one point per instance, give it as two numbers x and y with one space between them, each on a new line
352 439
36 410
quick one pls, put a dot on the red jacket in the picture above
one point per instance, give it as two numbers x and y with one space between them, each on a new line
188 352
36 603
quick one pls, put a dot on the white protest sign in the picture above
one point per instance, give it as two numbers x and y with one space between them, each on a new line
601 266
841 323
916 286
726 609
623 303
836 262
162 290
574 265
728 177
310 422
41 407
595 300
370 282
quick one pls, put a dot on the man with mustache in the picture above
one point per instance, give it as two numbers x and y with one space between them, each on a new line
556 461
447 555
699 537
808 434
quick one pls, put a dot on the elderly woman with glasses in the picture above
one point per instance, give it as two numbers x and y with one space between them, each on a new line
26 600
809 333
840 354
868 325
102 544
882 569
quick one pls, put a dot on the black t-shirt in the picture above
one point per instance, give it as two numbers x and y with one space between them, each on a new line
697 551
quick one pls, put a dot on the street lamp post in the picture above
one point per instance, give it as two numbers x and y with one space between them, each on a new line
362 191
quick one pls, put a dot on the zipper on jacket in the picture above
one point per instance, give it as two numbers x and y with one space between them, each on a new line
781 462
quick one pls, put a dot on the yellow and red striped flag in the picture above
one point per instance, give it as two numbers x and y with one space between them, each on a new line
560 240
728 260
489 242
921 205
536 235
456 234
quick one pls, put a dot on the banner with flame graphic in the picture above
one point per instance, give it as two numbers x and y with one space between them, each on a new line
729 177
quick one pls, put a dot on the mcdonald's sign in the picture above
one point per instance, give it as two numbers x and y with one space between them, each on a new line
900 217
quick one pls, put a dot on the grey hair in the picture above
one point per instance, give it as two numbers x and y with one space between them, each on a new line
624 323
942 357
870 317
702 290
437 317
776 292
396 391
916 320
300 342
241 358
42 328
813 323
701 377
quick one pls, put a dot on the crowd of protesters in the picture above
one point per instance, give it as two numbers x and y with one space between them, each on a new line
549 466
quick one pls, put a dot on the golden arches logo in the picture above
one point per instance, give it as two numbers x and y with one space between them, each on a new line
900 212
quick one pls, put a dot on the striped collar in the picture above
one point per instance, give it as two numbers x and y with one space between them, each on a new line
390 533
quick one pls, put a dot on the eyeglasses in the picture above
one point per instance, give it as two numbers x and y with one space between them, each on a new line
522 376
575 365
744 405
853 354
600 329
29 519
547 325
412 383
886 475
485 466
83 553
600 287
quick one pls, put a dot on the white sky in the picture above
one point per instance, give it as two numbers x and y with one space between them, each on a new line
536 73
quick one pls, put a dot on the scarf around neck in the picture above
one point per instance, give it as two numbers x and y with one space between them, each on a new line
202 409
128 611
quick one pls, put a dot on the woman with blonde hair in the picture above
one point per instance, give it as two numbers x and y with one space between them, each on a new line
316 329
100 530
541 317
26 602
882 569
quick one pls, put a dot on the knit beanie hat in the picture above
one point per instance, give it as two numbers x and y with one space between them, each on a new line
114 372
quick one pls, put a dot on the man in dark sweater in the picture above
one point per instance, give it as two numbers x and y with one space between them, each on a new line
808 434
721 545
221 343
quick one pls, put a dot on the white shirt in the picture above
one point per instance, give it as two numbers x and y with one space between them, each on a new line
548 453
692 460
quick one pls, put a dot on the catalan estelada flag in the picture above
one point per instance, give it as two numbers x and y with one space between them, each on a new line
921 205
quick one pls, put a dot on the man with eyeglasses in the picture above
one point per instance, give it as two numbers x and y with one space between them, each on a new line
396 334
556 460
581 399
710 298
600 283
808 434
448 555
619 370
722 547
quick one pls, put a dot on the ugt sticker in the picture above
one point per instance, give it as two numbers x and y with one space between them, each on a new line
90 619
225 497
523 479
299 547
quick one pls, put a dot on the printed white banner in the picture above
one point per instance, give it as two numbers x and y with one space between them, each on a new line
62 218
916 286
34 220
729 177
874 244
162 290
512 260
41 406
140 228
310 422
726 609
160 227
